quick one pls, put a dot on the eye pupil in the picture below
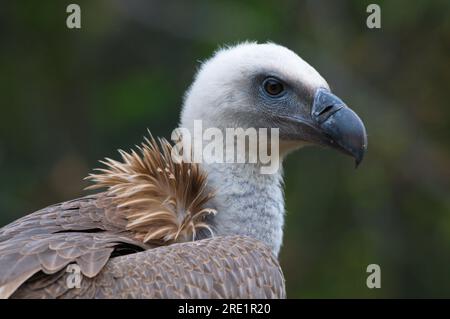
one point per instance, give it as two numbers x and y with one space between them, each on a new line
273 86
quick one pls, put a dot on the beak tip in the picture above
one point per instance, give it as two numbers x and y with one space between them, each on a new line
357 162
359 156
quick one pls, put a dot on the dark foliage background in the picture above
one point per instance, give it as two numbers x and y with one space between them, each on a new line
71 97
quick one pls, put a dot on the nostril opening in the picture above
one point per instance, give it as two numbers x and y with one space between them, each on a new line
325 110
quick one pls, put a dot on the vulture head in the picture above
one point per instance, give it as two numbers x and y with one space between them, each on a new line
265 86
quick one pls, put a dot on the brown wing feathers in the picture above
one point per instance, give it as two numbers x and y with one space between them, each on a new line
79 231
149 201
220 267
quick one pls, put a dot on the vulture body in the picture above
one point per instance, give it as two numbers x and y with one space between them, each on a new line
168 229
222 267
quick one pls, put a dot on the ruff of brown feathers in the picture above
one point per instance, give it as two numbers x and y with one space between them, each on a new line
163 201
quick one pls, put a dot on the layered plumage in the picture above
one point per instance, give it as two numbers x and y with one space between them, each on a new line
150 201
221 267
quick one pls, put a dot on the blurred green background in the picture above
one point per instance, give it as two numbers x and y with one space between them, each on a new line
71 97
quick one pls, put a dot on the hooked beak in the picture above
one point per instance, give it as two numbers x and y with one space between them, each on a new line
342 128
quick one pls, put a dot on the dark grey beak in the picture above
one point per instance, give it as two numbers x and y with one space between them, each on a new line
342 127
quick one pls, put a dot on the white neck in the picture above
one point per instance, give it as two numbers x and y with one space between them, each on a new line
248 202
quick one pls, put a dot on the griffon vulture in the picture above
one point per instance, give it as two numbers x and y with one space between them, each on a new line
165 229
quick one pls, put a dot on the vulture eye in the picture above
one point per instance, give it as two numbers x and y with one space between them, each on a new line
273 86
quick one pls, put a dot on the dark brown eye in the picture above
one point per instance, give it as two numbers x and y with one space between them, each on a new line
272 86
